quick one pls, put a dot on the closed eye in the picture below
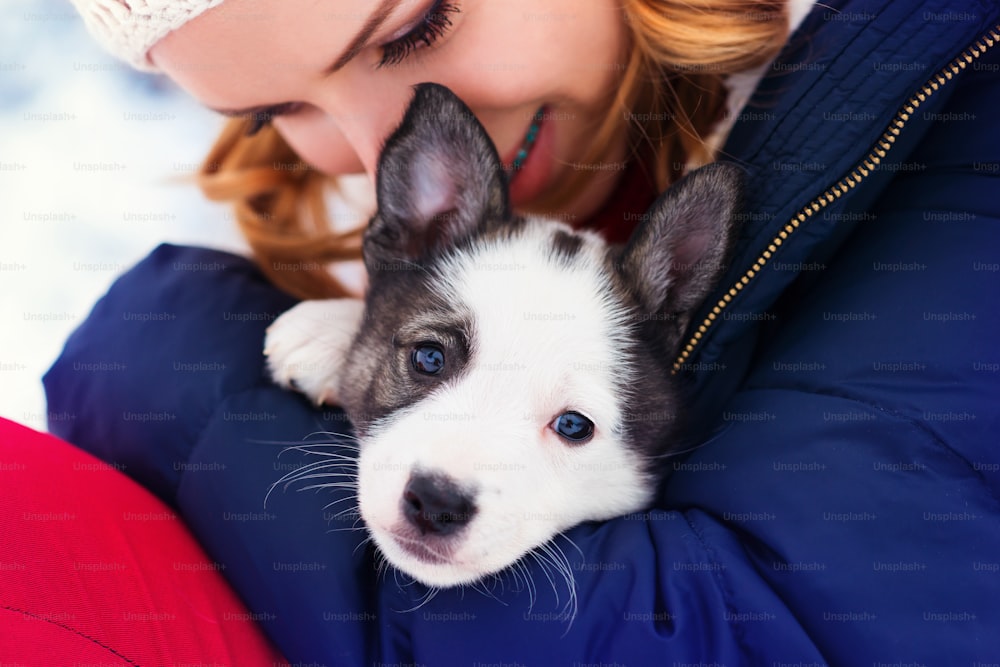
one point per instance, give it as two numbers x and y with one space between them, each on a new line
434 25
431 27
259 118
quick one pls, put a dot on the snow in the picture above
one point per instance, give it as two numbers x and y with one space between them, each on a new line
93 159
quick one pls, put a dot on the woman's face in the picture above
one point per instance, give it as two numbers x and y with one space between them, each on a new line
507 59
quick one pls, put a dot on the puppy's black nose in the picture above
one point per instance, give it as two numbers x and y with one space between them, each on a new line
435 505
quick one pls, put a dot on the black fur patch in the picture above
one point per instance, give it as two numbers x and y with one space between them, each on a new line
439 180
675 257
565 246
402 311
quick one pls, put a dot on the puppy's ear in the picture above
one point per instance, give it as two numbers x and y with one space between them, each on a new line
439 180
674 258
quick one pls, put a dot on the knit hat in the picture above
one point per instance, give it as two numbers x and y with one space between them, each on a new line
129 28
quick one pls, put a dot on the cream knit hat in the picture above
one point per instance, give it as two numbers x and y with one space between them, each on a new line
129 28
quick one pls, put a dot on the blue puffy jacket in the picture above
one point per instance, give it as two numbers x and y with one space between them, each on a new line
845 508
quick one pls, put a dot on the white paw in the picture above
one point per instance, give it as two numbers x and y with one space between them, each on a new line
306 346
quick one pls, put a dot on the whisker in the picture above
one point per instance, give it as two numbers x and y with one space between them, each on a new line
315 474
563 536
538 556
334 441
551 554
340 459
329 485
320 471
341 500
350 511
346 529
379 558
431 593
332 463
321 448
480 587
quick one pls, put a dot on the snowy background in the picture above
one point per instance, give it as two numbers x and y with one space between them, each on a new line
95 165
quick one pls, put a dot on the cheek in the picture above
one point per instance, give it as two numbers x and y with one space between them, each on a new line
556 50
510 60
316 138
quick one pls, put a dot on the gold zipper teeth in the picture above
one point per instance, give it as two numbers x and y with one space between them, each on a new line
856 175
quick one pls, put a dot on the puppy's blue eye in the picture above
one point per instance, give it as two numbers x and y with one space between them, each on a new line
573 426
427 359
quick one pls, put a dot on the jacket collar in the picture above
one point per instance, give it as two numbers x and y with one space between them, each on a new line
823 134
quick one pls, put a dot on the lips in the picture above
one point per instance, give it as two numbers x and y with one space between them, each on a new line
418 550
530 164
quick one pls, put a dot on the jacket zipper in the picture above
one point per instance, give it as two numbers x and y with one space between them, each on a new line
859 173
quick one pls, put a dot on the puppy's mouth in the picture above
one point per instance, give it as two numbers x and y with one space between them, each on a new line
420 550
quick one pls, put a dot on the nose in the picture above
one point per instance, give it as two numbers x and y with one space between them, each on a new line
364 115
435 505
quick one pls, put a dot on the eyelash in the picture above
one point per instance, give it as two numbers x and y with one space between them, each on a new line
431 28
259 119
434 25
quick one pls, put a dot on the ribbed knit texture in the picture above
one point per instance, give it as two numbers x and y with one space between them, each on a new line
129 29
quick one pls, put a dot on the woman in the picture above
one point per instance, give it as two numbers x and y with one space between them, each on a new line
841 503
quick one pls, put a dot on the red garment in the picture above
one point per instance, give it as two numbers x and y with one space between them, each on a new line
95 570
627 205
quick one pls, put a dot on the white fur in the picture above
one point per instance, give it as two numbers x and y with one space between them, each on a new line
307 345
546 341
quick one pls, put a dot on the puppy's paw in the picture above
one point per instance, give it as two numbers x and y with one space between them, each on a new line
307 345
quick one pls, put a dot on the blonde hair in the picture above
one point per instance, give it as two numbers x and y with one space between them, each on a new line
670 98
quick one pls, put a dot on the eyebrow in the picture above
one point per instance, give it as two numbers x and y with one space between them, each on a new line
374 22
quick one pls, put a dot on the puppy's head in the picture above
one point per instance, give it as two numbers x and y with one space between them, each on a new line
511 375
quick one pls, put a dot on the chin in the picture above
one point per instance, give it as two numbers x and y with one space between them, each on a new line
427 567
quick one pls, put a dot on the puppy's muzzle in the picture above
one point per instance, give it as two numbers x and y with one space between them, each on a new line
435 505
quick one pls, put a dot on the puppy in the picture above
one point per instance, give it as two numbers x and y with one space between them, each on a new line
507 377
